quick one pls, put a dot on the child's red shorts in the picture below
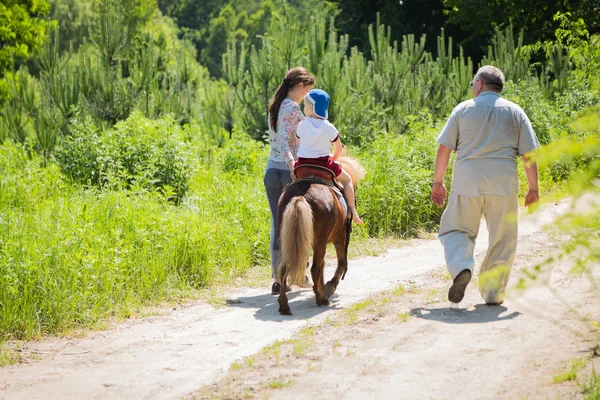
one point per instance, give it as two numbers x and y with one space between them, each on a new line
326 162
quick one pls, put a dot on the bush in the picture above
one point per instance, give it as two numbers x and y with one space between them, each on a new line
23 183
395 196
138 153
546 118
242 155
71 256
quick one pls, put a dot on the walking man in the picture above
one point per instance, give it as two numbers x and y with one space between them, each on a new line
487 133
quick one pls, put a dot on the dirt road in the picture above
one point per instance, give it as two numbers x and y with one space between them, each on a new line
418 345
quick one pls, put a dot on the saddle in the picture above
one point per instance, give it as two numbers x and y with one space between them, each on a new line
306 170
324 176
319 174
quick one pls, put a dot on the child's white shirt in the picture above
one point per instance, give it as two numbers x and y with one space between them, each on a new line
316 136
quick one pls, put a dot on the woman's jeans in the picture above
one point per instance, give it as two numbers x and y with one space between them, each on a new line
275 180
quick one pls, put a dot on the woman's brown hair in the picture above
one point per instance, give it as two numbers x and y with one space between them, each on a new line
293 77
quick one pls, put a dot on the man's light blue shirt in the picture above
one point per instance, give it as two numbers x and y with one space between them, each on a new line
487 133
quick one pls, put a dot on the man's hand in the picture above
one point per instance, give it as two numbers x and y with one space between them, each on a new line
438 194
438 190
531 172
532 199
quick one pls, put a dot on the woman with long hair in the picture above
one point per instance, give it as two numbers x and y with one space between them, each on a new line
284 116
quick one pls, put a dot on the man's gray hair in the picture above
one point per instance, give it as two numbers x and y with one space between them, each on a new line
491 76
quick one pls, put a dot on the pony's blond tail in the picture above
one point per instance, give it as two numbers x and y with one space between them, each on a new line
296 239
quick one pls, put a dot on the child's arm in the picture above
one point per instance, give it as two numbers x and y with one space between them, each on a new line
337 149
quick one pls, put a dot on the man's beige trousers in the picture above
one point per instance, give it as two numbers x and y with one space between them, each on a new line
459 228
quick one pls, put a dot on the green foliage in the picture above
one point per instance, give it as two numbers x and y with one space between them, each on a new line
61 81
357 115
582 223
22 28
330 70
72 257
416 17
535 16
591 387
111 85
241 157
260 82
584 51
108 79
581 153
221 27
367 96
546 118
217 115
394 198
510 56
128 175
137 154
20 109
570 375
215 24
74 18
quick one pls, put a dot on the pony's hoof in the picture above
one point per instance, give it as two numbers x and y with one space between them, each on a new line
323 302
285 310
329 289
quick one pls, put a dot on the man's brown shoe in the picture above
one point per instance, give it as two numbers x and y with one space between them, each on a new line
457 290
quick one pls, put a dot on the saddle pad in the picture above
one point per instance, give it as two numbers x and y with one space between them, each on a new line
336 189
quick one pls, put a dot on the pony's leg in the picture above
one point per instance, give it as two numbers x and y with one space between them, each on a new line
341 249
331 286
284 308
317 271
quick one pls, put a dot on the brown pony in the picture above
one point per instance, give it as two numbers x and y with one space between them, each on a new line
309 216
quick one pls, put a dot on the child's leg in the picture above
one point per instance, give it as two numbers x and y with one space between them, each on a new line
346 180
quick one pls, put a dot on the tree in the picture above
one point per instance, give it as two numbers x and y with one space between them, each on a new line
534 16
76 17
193 18
232 25
22 29
416 17
220 31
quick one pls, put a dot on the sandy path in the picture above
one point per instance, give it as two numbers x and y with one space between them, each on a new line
173 355
442 351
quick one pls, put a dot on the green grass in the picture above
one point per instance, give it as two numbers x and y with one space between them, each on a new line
403 317
353 310
73 257
591 387
8 356
571 374
394 198
279 384
399 291
305 340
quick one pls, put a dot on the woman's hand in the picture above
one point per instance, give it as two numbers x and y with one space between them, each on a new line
291 167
